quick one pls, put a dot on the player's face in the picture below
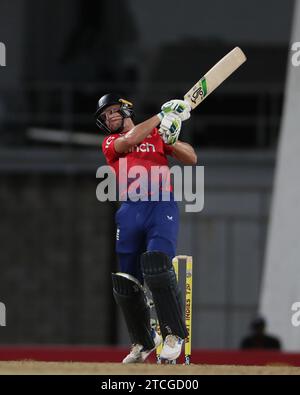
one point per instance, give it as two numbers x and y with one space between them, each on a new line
112 117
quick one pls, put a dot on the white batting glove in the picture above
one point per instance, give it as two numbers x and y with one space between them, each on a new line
170 128
179 107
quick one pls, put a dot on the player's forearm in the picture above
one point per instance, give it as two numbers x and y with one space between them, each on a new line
137 134
185 153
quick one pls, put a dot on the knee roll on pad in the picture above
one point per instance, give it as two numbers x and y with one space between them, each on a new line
130 296
161 279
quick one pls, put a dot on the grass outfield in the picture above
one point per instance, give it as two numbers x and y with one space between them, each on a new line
33 367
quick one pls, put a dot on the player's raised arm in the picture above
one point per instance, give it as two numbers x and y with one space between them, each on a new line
136 134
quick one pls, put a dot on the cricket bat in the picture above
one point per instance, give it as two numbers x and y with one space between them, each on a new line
215 76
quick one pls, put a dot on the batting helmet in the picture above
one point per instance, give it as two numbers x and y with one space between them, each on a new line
107 100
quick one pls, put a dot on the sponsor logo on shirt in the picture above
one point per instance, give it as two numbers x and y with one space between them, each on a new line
109 141
143 147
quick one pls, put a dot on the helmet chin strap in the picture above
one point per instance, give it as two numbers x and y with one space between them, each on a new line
119 130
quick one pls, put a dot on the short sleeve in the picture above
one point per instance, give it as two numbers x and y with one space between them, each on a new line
109 150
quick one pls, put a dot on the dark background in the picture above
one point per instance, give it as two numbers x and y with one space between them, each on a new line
56 239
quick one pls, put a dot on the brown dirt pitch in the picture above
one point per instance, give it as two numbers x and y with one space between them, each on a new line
77 368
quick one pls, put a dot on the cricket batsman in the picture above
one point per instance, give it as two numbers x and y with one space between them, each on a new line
147 229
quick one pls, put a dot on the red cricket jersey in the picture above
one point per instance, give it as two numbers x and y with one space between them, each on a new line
152 151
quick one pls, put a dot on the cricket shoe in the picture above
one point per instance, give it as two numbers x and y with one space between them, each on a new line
172 348
138 353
